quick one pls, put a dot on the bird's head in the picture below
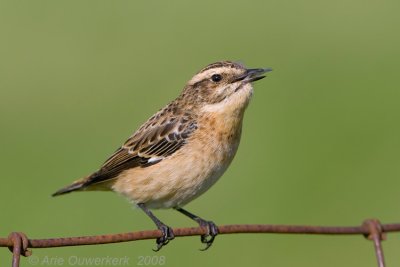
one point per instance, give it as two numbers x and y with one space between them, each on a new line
223 84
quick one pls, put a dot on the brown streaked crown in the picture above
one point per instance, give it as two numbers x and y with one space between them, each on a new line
220 64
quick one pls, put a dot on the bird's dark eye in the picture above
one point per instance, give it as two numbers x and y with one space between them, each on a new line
216 78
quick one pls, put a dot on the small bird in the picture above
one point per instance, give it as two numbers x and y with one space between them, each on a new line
183 149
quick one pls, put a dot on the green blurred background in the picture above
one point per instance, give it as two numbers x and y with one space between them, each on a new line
320 143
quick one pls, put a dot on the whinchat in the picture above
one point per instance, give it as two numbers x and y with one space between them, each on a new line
183 149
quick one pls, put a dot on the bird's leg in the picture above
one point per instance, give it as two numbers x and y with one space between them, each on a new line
208 238
168 234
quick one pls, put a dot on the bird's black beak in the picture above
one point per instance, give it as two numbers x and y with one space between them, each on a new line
252 75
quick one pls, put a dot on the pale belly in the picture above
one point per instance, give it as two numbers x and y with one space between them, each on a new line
182 177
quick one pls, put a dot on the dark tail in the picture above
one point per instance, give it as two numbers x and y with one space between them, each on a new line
73 187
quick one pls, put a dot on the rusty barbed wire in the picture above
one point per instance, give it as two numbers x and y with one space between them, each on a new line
372 229
376 234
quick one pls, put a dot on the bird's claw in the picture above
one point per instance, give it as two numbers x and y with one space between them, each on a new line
167 236
212 232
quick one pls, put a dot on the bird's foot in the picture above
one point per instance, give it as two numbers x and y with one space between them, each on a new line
167 236
212 232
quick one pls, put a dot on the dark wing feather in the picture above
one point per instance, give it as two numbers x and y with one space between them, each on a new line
149 145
